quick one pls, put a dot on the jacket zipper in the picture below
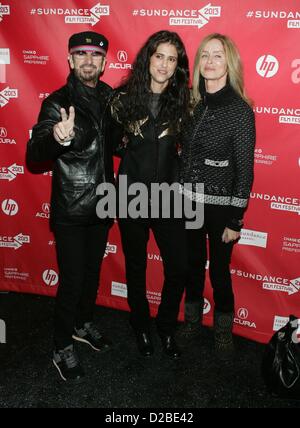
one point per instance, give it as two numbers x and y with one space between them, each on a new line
103 139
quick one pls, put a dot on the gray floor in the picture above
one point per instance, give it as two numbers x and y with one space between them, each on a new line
121 378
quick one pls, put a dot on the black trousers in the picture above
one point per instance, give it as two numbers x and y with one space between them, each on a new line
80 250
220 258
171 240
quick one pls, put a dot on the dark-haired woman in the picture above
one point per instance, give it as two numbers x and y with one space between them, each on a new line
150 110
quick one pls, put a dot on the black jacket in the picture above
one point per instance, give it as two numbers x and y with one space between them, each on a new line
218 150
87 162
150 152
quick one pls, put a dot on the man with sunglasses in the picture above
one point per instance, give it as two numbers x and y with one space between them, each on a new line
71 131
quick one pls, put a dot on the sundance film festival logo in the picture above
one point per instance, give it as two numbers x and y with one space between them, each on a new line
292 17
4 10
122 63
10 173
94 17
290 287
281 203
4 61
286 115
50 278
183 17
267 66
2 332
76 15
6 95
14 242
10 207
271 283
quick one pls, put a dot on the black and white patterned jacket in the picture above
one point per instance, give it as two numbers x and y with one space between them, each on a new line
218 150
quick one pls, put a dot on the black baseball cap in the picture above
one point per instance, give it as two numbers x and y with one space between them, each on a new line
88 41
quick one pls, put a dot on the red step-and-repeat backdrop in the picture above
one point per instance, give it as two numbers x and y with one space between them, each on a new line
33 63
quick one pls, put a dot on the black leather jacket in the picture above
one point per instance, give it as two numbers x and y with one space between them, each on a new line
87 162
150 153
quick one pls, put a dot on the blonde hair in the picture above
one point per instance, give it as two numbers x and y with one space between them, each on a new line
234 65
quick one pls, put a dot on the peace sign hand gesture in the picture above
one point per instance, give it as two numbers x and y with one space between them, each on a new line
63 131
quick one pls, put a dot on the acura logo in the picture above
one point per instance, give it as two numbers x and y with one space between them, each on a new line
122 56
243 313
3 133
46 208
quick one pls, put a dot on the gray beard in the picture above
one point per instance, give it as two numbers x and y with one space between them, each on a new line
89 81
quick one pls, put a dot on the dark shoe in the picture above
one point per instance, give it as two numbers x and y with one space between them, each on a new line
224 345
90 335
193 317
144 343
67 363
170 347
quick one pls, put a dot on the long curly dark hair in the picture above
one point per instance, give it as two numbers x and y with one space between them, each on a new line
175 99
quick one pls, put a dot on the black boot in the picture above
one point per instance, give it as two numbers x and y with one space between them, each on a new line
223 335
170 347
193 317
144 343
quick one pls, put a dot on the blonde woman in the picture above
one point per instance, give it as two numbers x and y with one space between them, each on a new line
218 150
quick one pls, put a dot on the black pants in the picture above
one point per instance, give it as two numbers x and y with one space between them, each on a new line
220 258
171 240
80 250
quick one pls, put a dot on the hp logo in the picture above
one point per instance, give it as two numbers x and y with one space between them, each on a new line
267 66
